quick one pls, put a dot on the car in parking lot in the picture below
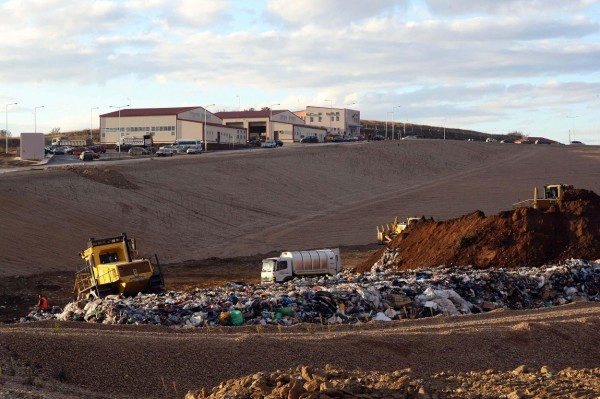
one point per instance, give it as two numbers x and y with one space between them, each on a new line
491 140
540 141
279 143
309 139
88 155
165 152
137 151
78 150
378 137
575 142
194 149
507 141
269 144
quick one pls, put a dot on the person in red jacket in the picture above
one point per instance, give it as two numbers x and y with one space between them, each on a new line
42 304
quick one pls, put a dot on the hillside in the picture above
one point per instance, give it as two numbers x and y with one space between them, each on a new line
253 202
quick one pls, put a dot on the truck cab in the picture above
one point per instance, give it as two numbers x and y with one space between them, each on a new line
275 269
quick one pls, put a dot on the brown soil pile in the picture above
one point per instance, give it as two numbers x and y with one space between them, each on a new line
522 237
307 382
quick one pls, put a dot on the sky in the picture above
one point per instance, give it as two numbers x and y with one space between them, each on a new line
530 66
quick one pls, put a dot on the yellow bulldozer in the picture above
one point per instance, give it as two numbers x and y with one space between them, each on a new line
113 266
386 232
550 195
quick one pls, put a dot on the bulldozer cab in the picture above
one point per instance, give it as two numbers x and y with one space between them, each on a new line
112 266
554 191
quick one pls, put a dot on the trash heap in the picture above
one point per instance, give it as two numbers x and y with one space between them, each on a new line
347 298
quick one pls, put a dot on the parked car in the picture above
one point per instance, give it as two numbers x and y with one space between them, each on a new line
507 141
525 142
254 143
88 156
97 148
350 138
491 140
337 139
78 150
194 149
165 152
310 139
124 147
279 143
67 149
378 137
575 142
136 151
539 141
410 138
269 144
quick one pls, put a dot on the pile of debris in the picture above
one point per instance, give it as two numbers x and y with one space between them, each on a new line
570 228
347 298
307 382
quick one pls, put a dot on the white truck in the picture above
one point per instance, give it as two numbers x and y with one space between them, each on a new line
62 141
301 263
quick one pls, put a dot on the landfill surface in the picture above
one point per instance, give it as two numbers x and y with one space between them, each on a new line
510 239
347 298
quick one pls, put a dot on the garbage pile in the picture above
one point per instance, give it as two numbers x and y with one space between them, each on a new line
347 298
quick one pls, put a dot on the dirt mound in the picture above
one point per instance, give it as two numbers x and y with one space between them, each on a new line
307 382
521 237
106 176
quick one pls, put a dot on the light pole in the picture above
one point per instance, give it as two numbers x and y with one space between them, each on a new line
347 105
387 118
119 122
330 114
91 112
6 131
572 131
35 118
394 120
204 130
270 121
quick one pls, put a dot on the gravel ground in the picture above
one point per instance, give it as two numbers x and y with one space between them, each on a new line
141 361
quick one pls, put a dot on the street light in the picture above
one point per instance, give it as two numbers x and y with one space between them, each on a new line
330 114
6 131
119 121
572 132
35 118
347 105
204 130
270 121
91 112
394 120
386 122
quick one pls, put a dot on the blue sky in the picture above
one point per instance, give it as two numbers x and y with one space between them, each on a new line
531 66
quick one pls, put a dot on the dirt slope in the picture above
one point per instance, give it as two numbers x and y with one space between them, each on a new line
518 238
251 202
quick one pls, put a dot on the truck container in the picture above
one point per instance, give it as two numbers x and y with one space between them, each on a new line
301 263
62 141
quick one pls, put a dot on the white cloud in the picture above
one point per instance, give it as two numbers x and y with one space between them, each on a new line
329 13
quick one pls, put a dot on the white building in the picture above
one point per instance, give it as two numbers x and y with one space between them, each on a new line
166 125
341 121
268 124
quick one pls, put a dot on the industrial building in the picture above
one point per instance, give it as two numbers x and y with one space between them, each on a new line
223 129
166 125
272 125
337 121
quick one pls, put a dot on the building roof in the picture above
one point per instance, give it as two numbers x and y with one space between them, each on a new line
246 114
150 111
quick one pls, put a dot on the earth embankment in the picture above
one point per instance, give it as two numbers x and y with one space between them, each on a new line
253 202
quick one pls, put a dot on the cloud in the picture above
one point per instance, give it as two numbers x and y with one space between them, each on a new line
507 7
331 13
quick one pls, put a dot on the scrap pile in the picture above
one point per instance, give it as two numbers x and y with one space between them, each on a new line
347 298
